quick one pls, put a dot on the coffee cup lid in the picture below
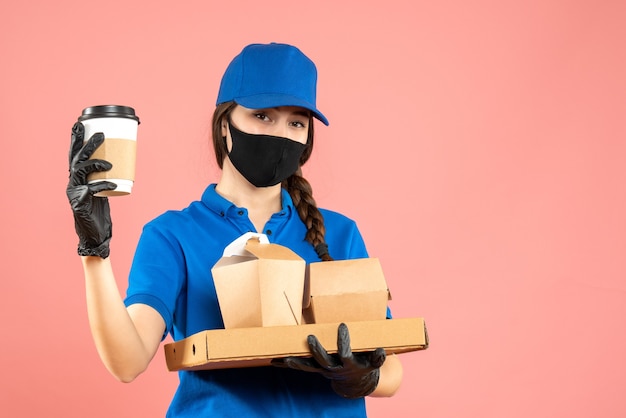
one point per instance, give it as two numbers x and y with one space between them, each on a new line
108 111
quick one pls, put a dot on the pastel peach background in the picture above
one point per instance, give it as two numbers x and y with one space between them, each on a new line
480 145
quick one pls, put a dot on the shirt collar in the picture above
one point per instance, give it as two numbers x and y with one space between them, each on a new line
225 207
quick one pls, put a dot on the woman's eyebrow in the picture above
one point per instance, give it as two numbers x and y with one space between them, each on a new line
304 113
299 112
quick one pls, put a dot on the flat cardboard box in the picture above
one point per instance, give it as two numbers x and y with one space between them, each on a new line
253 347
259 286
345 290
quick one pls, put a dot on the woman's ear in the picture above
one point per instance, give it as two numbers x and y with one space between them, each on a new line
224 129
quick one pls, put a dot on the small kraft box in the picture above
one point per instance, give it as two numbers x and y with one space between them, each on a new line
259 284
345 290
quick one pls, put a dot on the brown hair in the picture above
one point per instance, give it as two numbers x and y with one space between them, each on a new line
298 187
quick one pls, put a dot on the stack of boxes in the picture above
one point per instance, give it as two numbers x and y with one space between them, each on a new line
271 300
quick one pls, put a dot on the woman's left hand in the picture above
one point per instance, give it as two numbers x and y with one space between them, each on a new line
352 375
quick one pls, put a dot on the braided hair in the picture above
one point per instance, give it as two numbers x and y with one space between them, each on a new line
297 186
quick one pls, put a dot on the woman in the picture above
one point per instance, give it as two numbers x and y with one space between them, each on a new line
262 135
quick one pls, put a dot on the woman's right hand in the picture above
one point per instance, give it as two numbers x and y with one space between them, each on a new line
92 216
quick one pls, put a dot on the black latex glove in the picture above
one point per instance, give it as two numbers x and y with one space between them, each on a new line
92 216
352 375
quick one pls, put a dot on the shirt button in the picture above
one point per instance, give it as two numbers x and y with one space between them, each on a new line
240 212
268 232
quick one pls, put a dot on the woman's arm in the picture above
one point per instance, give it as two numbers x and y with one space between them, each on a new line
390 377
126 338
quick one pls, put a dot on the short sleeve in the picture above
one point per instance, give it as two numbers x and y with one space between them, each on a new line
157 273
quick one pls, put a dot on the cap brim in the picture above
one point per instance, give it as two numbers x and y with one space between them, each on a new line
265 101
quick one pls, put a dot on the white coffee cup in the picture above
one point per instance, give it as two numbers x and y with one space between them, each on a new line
119 125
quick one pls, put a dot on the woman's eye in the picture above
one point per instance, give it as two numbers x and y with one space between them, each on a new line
261 116
299 124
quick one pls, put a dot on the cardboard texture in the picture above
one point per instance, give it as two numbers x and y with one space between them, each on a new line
263 287
345 290
122 153
271 301
253 347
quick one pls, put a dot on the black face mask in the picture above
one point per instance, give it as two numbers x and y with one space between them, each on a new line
264 160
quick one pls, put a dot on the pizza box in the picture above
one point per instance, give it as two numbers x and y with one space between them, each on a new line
257 346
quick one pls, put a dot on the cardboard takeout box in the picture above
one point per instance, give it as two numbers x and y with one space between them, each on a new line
259 284
254 347
345 290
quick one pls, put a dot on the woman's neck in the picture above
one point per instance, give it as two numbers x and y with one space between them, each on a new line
261 202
